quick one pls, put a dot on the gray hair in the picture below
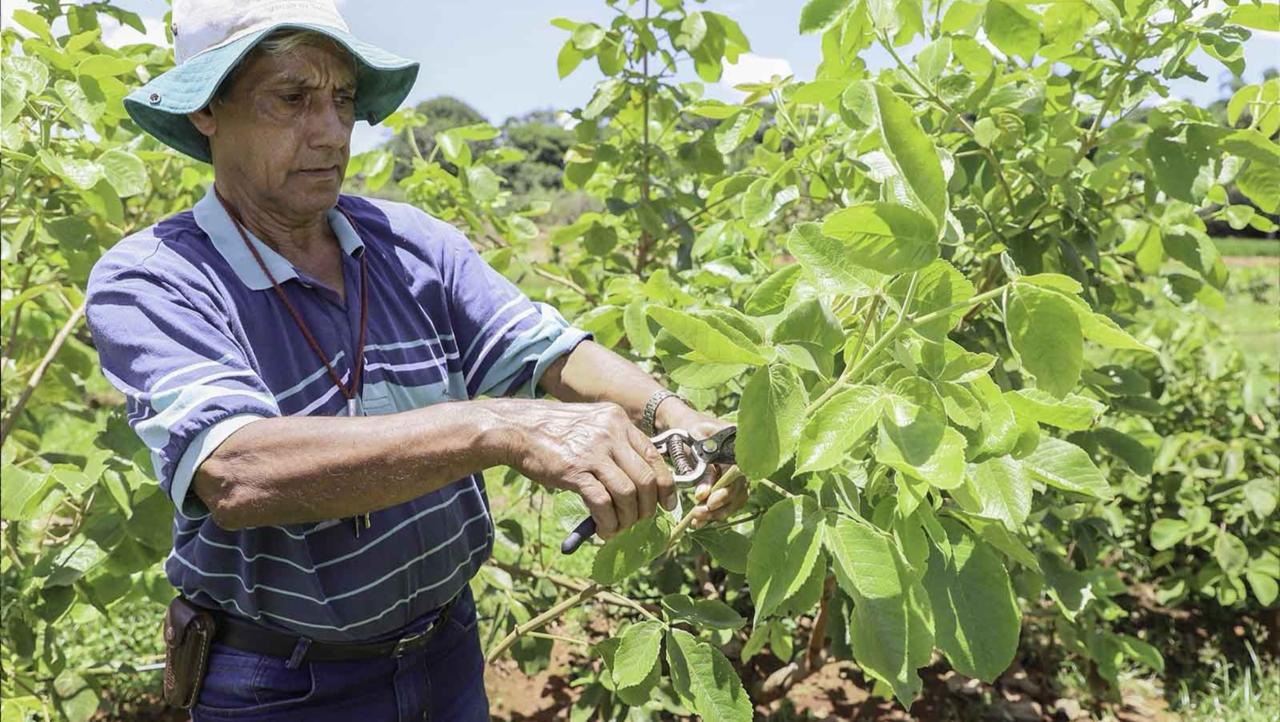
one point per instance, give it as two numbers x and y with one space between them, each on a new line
285 41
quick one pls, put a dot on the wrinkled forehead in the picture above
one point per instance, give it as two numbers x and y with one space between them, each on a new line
299 60
314 69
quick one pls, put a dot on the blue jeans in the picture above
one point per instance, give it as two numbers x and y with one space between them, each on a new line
443 681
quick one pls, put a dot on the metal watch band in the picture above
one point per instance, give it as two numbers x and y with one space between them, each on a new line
651 409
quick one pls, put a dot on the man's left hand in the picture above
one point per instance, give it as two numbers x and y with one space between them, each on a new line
722 502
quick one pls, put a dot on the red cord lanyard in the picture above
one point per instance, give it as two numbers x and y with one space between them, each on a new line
349 393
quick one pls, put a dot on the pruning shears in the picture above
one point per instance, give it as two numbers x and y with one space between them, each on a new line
689 456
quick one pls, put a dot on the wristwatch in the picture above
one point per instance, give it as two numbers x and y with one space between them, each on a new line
651 409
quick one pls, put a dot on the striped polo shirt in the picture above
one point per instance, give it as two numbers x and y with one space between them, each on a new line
189 329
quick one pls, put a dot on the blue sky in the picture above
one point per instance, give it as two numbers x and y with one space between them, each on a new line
499 55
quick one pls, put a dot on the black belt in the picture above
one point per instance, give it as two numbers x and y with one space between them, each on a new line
249 637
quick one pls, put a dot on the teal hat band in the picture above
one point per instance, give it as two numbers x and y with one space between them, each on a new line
161 106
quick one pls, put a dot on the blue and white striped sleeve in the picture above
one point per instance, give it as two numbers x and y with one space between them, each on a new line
506 340
187 383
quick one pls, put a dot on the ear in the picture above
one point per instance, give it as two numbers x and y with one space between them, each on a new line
204 121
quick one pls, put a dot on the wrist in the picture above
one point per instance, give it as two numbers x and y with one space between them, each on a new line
671 413
499 435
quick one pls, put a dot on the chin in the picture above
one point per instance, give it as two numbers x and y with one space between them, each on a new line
318 197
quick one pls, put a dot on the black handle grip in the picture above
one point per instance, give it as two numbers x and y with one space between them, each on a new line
580 533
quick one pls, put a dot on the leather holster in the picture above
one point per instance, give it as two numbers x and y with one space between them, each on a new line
188 634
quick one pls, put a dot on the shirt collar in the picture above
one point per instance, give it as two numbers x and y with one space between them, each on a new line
214 221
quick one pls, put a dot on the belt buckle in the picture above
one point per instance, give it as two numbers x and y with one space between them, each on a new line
410 642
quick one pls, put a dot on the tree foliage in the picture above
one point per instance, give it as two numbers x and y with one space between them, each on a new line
950 305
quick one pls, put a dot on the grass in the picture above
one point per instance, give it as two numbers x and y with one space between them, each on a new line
1240 246
1252 311
1247 693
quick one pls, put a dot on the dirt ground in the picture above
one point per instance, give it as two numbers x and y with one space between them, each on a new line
838 692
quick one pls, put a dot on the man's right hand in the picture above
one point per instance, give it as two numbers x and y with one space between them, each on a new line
592 449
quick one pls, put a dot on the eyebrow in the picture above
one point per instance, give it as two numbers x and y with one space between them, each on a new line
291 80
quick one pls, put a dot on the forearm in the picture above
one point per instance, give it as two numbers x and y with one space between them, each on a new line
593 373
307 469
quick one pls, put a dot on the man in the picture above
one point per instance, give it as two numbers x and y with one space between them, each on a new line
307 370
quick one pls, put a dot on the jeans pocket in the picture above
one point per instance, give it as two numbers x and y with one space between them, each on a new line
274 682
463 615
241 684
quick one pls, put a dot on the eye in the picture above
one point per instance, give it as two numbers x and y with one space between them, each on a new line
291 98
344 98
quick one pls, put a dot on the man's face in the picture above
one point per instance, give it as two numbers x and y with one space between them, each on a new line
282 130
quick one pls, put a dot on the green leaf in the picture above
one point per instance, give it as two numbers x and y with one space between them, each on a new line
1261 496
1102 330
1013 30
631 550
693 30
885 237
769 419
1002 490
702 613
587 36
13 91
1132 452
783 551
30 72
35 23
1066 466
1167 533
938 285
710 343
76 698
1261 16
732 132
932 59
891 628
912 152
1264 587
727 547
917 441
568 59
635 320
1177 165
1071 589
78 172
770 296
835 426
636 695
809 322
829 261
1074 412
124 171
637 653
1261 183
705 680
1141 651
105 66
1045 332
1230 552
975 612
23 492
818 14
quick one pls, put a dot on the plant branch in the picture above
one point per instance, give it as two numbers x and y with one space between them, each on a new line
951 112
594 590
553 613
577 585
58 341
904 323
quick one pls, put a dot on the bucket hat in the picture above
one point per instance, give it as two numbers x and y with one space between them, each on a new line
210 37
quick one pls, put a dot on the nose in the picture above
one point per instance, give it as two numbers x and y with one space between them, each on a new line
330 124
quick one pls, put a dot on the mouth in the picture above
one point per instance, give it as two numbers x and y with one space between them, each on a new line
319 172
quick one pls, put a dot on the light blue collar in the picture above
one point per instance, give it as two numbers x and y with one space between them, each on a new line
214 221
